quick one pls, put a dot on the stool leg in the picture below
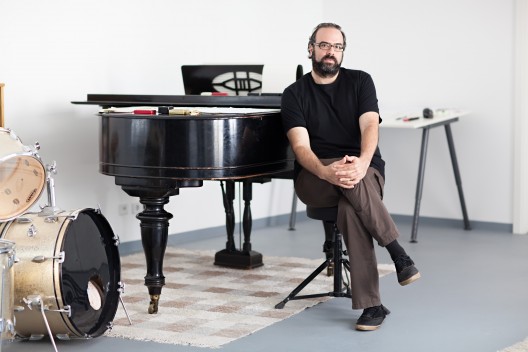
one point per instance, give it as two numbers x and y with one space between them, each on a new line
339 262
328 246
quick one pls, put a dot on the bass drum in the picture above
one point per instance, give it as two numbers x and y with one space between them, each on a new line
68 264
22 176
7 319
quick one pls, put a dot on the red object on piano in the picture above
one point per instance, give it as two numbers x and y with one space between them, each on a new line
145 112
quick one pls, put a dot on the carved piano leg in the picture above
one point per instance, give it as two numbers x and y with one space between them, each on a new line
154 233
230 257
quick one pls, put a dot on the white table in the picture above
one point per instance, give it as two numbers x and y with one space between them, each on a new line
442 117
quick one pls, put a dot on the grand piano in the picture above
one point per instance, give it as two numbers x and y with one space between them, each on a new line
151 156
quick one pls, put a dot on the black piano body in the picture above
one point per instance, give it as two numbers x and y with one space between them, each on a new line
153 156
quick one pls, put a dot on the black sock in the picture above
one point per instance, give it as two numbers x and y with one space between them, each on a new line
395 250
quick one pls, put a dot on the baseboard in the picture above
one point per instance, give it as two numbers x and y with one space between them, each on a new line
219 231
455 223
130 247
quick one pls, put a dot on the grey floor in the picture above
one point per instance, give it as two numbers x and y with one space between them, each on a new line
473 296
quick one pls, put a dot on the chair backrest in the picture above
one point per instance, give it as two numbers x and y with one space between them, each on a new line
230 79
2 104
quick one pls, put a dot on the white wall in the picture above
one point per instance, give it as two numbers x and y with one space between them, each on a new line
439 53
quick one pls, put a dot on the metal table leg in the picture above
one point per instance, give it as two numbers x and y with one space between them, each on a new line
419 186
458 179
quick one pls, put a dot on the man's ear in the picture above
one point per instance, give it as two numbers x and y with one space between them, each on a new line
310 51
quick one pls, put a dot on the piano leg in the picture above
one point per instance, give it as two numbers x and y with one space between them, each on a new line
230 257
247 220
154 234
154 224
228 196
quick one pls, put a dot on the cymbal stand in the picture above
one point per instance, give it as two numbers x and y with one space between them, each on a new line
50 209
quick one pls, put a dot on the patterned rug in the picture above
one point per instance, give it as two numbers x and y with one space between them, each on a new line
208 306
518 347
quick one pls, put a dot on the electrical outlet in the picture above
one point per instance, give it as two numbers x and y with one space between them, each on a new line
123 209
136 208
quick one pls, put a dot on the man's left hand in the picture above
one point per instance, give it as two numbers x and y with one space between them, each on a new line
351 171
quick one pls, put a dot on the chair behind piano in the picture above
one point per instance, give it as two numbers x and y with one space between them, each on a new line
230 79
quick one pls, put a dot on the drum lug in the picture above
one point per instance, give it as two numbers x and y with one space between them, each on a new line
51 219
110 325
32 231
12 260
36 337
121 287
7 326
23 220
116 240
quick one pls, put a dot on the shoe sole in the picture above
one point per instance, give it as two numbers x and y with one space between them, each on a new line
362 327
411 279
367 327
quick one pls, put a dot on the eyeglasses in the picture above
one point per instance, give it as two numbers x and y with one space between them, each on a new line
327 46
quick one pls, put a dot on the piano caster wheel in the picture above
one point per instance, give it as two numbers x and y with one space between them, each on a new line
330 269
153 306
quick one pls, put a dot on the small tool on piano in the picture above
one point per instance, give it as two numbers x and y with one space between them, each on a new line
166 110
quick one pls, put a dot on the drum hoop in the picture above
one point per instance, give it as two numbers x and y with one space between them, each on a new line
69 218
57 279
34 155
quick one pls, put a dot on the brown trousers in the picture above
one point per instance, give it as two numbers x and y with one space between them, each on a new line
361 217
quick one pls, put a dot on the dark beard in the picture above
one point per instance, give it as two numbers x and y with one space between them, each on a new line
323 69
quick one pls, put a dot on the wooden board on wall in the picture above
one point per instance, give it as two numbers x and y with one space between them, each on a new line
1 105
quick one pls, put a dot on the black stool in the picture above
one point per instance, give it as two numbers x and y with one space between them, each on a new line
329 218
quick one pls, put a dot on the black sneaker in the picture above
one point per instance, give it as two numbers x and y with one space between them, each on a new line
405 269
372 318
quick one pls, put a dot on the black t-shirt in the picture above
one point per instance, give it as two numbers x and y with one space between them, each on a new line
330 113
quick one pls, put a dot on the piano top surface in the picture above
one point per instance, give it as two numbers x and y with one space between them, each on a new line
121 100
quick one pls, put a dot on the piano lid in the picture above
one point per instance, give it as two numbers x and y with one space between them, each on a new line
116 100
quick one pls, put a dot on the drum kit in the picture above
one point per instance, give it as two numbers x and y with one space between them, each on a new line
60 269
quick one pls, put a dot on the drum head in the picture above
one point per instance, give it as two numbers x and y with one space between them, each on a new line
90 273
22 179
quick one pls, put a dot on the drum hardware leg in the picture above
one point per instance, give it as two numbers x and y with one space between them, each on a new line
124 308
42 259
36 301
50 208
121 290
